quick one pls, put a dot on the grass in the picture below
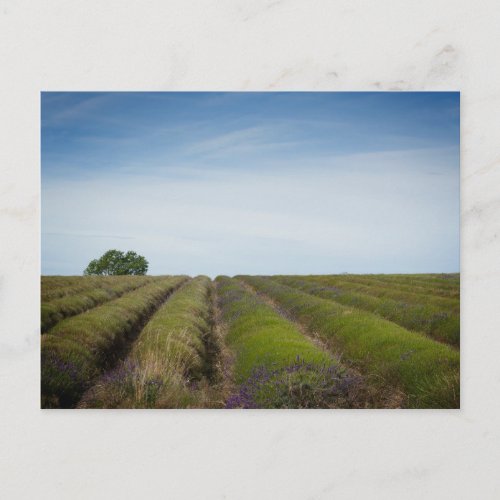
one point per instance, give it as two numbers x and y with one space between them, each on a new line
436 322
170 363
80 348
425 370
71 304
275 365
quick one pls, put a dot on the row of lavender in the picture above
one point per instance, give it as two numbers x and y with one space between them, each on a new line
422 310
63 297
105 358
393 360
274 364
170 363
79 349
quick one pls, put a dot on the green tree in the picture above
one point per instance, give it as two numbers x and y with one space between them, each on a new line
115 262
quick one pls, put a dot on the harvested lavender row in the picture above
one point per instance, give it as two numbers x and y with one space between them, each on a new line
276 366
57 309
376 288
438 323
427 371
402 284
80 348
55 287
168 359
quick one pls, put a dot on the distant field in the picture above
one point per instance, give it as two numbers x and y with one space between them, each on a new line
329 341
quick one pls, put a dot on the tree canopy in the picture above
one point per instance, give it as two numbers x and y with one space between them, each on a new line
115 262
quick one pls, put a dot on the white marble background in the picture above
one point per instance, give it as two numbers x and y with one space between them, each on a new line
249 45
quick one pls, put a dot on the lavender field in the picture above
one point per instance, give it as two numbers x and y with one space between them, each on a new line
319 341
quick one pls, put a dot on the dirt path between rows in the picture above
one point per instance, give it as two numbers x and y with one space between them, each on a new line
224 384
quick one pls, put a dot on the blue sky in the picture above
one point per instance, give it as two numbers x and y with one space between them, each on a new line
254 183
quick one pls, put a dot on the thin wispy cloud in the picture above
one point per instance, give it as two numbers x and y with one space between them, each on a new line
222 183
67 109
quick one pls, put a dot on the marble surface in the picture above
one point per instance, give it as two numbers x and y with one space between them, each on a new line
249 45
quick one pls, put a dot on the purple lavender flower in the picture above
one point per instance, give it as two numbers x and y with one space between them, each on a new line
299 385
